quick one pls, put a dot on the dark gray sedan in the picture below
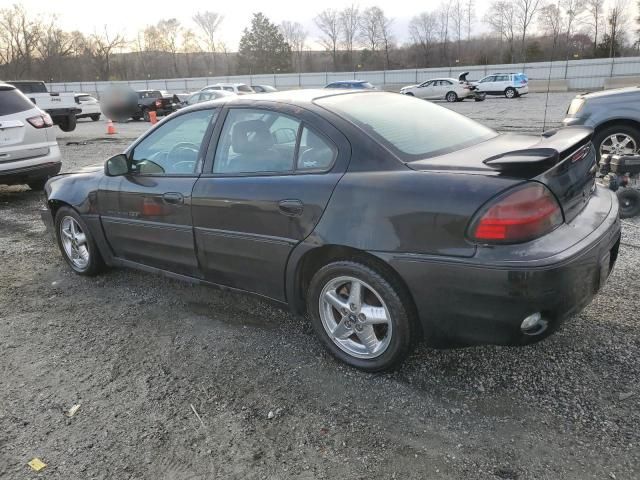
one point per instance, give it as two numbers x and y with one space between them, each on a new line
385 218
615 117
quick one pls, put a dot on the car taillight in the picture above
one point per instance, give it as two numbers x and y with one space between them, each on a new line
520 215
41 121
158 103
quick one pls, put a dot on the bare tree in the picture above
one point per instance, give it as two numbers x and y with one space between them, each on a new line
188 48
470 13
53 45
458 21
170 40
422 29
617 20
525 12
101 48
209 22
386 35
502 19
550 20
444 22
349 22
595 9
20 35
295 35
328 21
573 12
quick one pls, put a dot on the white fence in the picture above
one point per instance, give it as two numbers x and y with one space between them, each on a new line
579 74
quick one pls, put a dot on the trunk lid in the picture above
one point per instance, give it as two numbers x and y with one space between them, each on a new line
563 160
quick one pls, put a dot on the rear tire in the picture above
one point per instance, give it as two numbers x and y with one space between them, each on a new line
81 251
387 339
451 97
629 199
145 115
68 124
510 93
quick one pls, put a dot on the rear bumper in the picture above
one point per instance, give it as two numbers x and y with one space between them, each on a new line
523 90
466 302
31 169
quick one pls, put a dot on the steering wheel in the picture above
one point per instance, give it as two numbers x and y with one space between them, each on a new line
180 149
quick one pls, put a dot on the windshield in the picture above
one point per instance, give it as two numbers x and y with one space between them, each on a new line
411 128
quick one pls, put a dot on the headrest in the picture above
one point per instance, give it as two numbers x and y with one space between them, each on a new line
251 136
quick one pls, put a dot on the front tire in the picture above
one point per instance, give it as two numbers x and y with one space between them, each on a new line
95 118
451 97
629 199
76 243
362 317
145 115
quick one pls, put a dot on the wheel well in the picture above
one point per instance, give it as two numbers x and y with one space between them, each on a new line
315 259
619 121
54 206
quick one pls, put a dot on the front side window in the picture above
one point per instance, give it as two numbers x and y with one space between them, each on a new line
487 79
172 149
427 84
256 141
244 88
411 130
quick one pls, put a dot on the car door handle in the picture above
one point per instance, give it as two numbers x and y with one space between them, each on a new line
292 208
173 198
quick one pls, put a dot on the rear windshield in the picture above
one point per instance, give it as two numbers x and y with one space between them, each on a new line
520 77
244 88
31 87
411 128
366 85
12 101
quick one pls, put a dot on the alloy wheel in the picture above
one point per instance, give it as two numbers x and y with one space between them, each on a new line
355 317
510 93
74 242
618 144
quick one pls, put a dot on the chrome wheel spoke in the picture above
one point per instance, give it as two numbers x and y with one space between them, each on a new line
368 338
374 315
81 239
355 296
333 299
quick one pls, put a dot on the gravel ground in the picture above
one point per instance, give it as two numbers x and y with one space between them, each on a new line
184 382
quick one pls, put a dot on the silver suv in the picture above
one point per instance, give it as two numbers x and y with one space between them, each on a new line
29 153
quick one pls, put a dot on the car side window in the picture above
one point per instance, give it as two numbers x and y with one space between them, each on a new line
172 148
445 82
255 141
488 79
314 152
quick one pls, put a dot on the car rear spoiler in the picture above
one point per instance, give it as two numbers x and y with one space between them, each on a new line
554 146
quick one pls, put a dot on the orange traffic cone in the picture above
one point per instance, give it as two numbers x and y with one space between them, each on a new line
111 129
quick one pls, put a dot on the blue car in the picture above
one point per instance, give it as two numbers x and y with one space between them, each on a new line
351 84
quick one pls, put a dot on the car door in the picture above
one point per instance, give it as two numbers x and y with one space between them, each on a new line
424 90
146 214
267 185
485 85
501 83
445 87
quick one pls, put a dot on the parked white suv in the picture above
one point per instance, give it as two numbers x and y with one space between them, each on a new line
29 153
511 85
449 89
237 88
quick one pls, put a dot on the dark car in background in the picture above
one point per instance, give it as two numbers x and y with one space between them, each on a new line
386 219
615 117
351 84
159 101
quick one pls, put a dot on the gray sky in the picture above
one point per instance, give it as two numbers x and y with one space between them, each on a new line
129 16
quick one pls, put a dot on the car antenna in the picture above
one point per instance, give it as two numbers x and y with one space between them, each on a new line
553 48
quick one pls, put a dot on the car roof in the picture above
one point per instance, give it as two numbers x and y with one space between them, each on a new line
348 81
303 97
441 78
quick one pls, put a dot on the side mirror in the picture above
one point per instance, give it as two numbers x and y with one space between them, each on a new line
116 166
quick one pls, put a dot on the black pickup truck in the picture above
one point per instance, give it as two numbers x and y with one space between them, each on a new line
159 101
